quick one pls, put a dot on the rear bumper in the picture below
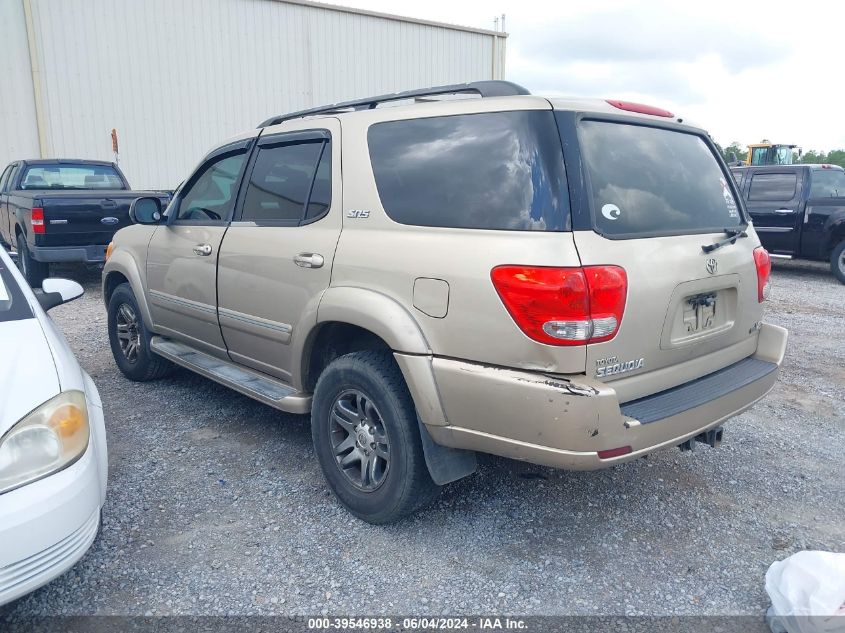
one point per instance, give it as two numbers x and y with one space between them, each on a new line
565 421
93 254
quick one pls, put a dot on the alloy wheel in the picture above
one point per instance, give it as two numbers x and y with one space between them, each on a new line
128 335
359 440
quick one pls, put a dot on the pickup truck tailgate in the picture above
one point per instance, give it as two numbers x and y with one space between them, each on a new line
76 219
83 218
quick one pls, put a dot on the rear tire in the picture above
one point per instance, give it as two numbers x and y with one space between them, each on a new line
34 272
837 262
367 439
130 339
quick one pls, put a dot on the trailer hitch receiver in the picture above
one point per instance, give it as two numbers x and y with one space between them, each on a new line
713 438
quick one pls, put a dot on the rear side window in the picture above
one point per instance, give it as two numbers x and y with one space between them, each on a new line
283 181
772 187
4 178
827 183
648 181
321 192
500 170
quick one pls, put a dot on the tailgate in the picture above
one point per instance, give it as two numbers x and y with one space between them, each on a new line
681 321
657 196
72 219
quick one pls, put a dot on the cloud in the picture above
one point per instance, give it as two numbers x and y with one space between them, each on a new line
651 34
664 80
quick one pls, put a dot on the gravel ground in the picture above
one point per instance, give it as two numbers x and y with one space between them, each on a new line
217 505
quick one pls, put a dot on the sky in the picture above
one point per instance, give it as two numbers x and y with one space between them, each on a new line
745 70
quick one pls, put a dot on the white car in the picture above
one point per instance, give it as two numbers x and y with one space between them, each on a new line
53 462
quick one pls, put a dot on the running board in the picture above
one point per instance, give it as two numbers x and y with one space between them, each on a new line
779 256
263 388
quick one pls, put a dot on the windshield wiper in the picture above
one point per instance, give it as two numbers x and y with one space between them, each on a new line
732 236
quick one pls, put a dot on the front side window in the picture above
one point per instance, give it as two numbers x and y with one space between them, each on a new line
766 187
648 181
499 170
827 183
211 195
283 181
71 177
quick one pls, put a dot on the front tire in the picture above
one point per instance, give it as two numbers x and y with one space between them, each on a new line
130 339
34 272
367 439
837 262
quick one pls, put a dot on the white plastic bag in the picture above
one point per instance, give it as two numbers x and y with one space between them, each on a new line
808 593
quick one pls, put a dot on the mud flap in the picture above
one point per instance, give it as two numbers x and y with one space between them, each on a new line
445 464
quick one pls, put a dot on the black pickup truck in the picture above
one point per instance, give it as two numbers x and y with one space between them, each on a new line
798 210
63 211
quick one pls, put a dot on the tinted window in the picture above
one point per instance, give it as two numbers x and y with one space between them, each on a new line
773 186
71 177
502 170
827 183
281 181
321 193
5 177
13 176
211 195
648 181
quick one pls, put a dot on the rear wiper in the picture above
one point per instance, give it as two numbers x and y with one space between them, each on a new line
732 236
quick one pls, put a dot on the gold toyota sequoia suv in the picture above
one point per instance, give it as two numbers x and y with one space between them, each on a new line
465 268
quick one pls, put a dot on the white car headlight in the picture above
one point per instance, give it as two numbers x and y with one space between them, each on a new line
47 440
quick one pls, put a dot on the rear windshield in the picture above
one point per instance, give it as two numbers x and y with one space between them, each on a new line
498 170
827 183
71 177
13 304
648 181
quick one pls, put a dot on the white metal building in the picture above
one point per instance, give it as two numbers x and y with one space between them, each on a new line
175 77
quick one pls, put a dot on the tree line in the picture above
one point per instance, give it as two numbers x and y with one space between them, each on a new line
811 157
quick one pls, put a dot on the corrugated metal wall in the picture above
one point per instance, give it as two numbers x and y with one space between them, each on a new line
175 77
18 131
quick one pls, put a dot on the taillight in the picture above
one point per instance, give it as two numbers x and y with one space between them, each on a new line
639 108
764 271
563 306
37 220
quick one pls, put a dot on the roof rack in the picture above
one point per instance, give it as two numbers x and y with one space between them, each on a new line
482 88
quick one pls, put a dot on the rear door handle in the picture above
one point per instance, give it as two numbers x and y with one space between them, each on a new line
309 260
784 211
202 249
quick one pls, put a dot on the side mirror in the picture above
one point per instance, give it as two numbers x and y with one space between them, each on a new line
145 211
54 292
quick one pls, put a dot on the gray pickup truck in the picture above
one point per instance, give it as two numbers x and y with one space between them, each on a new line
63 210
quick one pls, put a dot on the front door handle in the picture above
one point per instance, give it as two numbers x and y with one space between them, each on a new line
203 249
784 211
309 260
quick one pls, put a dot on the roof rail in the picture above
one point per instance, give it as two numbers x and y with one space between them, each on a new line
482 88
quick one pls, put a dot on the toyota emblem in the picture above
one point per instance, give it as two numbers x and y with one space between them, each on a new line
711 265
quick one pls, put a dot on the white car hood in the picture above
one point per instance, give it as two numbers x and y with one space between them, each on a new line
28 375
